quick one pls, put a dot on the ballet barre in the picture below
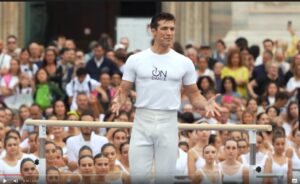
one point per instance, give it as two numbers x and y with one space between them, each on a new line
182 126
42 124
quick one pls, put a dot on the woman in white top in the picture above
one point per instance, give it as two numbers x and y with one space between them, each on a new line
210 173
233 171
293 152
29 171
261 156
278 162
26 66
294 82
101 168
86 169
195 157
124 162
10 163
115 174
10 80
290 118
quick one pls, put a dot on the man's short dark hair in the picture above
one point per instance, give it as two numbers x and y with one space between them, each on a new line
268 40
81 71
161 16
96 45
87 113
241 42
63 50
121 55
254 51
11 36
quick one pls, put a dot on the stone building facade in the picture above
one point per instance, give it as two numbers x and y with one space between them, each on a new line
199 22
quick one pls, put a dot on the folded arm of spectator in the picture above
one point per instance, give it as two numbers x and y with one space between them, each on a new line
250 87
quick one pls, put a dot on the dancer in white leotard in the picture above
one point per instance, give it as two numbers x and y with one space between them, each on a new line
195 157
210 173
232 169
278 162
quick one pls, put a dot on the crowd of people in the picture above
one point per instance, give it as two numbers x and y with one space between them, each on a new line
59 81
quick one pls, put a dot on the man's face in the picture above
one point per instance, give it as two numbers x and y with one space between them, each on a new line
268 46
266 57
163 35
71 56
81 78
206 52
35 112
34 50
125 42
192 55
98 52
86 130
82 101
202 63
11 44
105 80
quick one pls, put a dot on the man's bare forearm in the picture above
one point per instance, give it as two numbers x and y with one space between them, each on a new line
198 101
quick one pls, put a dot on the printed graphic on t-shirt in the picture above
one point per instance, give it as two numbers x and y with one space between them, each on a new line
159 74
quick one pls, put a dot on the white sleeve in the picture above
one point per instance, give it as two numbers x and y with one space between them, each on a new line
2 83
94 83
190 74
289 86
70 152
69 89
35 68
6 62
129 70
24 143
14 81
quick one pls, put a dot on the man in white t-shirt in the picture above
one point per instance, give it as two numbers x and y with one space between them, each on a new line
158 74
86 137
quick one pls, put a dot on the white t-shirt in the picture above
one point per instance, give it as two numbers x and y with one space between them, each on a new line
158 78
292 84
74 86
5 61
30 72
11 172
74 144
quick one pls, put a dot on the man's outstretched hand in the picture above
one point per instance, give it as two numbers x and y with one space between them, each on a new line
115 108
211 107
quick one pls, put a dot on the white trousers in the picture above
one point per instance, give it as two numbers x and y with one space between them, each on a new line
154 138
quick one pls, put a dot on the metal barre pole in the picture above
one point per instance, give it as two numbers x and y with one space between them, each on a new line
184 126
271 175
